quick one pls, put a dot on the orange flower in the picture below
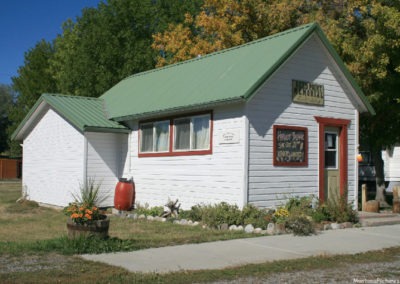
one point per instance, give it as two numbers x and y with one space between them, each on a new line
88 216
88 211
80 215
74 215
94 208
81 208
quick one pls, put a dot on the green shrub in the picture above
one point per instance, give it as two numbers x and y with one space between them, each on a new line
149 211
194 214
224 213
321 214
218 214
300 205
253 215
340 211
300 226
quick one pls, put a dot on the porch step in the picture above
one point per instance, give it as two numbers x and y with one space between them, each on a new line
368 219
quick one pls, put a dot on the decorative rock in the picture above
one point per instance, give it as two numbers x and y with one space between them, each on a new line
190 222
176 222
271 229
142 216
195 223
336 226
133 216
224 227
347 225
183 222
150 218
116 212
327 227
163 219
239 228
232 228
264 232
257 231
280 228
249 228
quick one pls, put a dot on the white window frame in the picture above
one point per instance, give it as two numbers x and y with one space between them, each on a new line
192 133
331 150
153 123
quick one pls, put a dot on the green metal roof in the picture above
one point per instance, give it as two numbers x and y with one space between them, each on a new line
229 75
86 114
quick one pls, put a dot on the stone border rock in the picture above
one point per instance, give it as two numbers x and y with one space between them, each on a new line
272 228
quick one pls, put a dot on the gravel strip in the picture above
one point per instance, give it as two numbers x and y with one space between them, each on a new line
32 263
376 273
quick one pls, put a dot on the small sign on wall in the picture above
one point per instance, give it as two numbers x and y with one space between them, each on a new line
290 146
307 93
230 136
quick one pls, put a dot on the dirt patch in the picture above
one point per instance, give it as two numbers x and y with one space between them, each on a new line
32 263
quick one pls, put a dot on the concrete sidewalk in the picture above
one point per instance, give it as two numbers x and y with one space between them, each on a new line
222 254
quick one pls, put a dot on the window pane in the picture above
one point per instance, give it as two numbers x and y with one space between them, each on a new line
330 159
146 138
161 139
330 141
201 132
182 134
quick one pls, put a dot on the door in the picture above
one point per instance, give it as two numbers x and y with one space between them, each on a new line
332 163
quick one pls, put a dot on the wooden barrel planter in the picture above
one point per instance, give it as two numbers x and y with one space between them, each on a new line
124 197
396 206
372 206
97 228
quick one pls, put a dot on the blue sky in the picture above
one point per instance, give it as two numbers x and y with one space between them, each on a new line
25 22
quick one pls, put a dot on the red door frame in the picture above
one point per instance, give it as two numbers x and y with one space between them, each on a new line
342 124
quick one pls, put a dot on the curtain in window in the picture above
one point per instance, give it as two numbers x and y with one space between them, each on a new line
161 136
182 134
146 138
201 132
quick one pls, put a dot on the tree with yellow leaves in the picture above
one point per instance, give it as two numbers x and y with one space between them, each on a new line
365 33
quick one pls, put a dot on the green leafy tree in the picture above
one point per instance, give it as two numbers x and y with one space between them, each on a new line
111 42
34 78
366 34
6 101
103 46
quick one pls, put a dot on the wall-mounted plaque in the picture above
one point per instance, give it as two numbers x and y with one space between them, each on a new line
230 136
290 145
307 93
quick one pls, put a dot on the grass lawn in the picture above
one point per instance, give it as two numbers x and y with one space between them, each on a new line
33 249
25 227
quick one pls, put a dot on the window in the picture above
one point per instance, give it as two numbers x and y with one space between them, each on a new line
331 151
189 135
154 137
290 146
192 133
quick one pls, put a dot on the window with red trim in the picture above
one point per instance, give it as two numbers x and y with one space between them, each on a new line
290 146
186 135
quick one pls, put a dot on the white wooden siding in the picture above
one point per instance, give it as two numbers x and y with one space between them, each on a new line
53 160
269 186
194 179
391 158
106 153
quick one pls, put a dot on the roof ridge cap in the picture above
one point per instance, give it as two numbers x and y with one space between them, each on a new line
69 96
295 29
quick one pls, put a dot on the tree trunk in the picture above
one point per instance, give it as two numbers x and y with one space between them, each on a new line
379 167
379 177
